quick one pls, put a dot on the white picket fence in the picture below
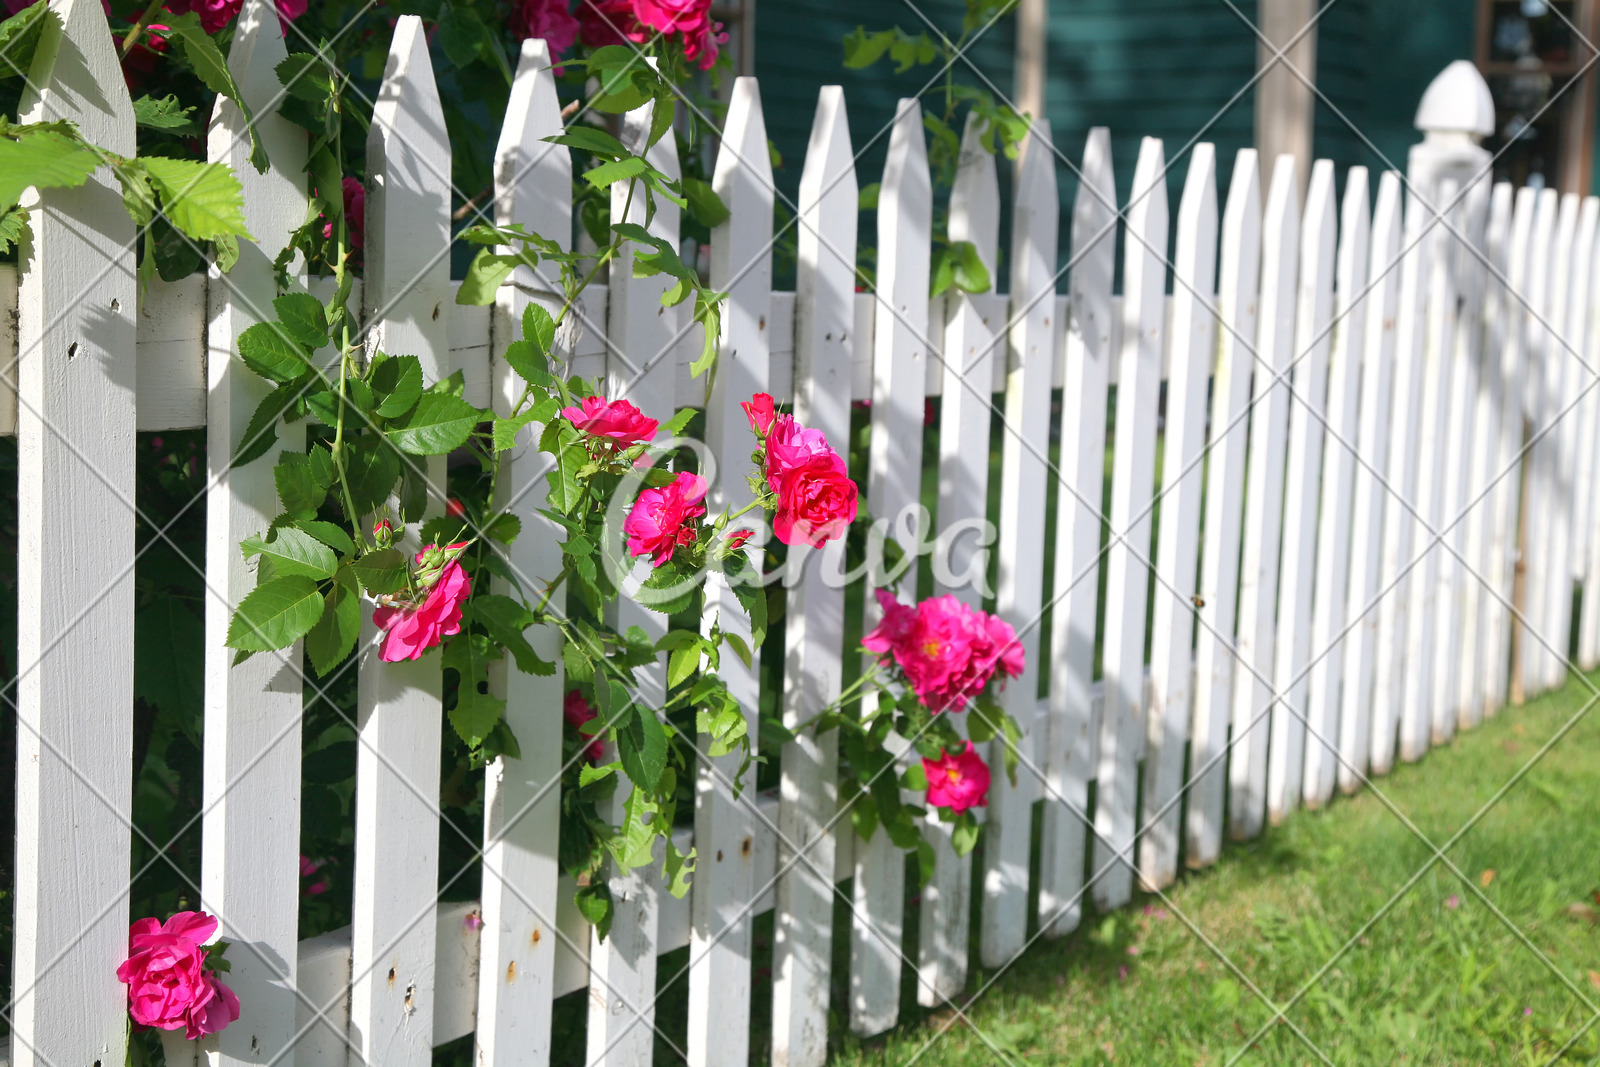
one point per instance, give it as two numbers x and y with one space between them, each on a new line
1379 367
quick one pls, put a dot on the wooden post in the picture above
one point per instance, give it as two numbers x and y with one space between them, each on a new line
75 499
1285 104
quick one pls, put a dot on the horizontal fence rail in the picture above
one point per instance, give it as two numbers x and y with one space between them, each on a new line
1298 454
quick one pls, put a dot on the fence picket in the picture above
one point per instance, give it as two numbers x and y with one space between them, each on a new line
1550 252
1308 429
825 342
1482 487
1586 417
1240 266
1572 371
1258 585
1401 476
639 367
521 807
75 427
899 376
1588 555
1132 491
407 291
1338 482
741 266
1374 444
1461 406
1024 458
1192 346
1085 376
966 372
250 875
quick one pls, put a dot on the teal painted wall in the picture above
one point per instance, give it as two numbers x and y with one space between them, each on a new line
1161 68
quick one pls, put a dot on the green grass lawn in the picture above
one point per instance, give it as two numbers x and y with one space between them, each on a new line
1438 978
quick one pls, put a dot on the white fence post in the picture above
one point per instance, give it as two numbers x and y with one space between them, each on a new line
522 801
1240 266
75 499
741 266
1123 725
250 865
825 343
1073 733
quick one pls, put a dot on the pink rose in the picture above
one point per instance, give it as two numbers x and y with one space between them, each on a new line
789 445
691 21
168 983
546 19
603 22
355 213
663 518
957 782
412 630
215 14
618 421
816 502
758 409
577 711
947 651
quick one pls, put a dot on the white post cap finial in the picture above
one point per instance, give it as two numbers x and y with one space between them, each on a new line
1458 100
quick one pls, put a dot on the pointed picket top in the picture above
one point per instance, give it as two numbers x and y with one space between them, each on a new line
1035 221
533 178
743 178
829 194
71 83
639 330
975 197
408 204
905 205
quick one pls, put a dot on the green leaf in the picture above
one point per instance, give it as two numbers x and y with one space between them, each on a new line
676 867
617 170
438 425
590 139
371 467
862 49
486 273
705 206
259 435
682 664
164 113
43 158
565 487
964 835
476 715
461 35
306 77
303 318
269 350
507 430
594 904
967 270
740 648
505 528
206 59
381 571
538 328
204 200
301 486
506 619
398 381
19 38
642 747
329 534
335 634
14 230
138 196
276 614
293 552
530 365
